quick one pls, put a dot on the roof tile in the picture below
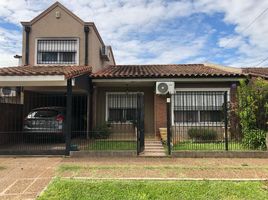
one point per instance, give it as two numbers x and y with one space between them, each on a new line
257 71
162 71
67 71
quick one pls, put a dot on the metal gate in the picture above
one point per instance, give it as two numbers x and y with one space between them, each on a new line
197 120
140 123
33 123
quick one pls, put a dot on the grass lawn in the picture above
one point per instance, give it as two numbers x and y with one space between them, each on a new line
112 145
217 146
142 190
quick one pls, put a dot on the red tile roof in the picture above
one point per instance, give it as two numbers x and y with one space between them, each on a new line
163 71
67 71
256 71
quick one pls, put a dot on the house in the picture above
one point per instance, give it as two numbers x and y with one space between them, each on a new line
66 63
254 72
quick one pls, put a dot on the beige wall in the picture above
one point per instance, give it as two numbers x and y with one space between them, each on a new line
65 26
100 105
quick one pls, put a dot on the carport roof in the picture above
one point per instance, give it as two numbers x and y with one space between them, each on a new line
46 70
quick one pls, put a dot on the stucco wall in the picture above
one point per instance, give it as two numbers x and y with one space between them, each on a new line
65 27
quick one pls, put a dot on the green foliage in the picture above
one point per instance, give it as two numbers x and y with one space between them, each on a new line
202 134
253 112
101 132
254 139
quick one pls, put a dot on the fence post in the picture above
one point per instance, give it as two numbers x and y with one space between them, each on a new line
168 124
138 123
68 122
226 121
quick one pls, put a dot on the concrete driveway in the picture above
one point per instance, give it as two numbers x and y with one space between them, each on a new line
24 178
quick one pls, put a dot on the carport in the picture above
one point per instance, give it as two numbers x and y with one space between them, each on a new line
26 88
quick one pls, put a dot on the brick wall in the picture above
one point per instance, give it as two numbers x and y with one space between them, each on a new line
160 108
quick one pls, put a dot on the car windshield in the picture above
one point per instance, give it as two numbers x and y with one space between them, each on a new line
43 114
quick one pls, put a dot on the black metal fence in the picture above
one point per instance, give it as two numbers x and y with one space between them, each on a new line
121 130
36 123
200 121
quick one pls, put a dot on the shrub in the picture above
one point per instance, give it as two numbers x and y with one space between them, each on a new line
101 132
253 112
254 139
202 134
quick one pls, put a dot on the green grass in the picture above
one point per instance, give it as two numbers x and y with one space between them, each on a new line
112 145
69 168
77 168
150 190
215 146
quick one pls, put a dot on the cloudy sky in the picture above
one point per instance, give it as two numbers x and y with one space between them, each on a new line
228 32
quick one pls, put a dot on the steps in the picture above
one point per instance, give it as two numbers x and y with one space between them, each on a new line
153 148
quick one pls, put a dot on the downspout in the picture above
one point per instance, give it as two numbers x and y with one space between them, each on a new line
86 30
27 30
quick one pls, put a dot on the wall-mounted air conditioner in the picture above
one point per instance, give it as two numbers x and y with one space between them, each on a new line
7 92
165 88
105 53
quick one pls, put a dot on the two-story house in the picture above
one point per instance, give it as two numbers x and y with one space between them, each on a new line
60 49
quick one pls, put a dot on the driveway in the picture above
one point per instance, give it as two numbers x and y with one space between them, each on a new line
24 178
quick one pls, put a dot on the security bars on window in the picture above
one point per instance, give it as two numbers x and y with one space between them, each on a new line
121 107
56 51
198 107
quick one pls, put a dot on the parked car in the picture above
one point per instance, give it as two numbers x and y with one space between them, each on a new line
45 121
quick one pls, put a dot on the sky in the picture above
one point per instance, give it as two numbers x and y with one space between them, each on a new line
225 32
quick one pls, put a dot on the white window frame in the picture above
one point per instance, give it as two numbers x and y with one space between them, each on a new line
57 38
107 109
198 90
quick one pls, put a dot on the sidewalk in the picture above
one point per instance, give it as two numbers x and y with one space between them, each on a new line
24 178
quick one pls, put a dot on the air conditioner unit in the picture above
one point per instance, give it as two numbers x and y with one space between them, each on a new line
165 87
105 53
7 92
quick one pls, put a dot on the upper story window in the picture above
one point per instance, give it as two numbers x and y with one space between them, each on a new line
57 51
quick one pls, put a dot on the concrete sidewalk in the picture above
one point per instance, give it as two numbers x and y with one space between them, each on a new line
25 177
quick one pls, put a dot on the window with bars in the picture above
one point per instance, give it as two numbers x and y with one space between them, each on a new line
121 107
57 51
198 107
